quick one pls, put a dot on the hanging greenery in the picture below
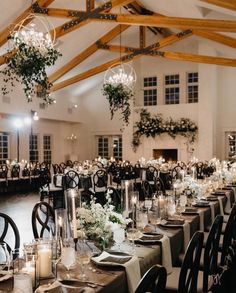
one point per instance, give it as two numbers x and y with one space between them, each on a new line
27 65
152 126
119 97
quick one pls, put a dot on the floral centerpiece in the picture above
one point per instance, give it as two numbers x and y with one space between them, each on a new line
97 222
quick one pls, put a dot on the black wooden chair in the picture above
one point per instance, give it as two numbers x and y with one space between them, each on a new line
3 178
99 185
185 279
229 236
9 234
154 281
71 180
208 262
115 197
43 220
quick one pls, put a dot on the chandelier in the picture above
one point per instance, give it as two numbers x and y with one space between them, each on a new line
34 31
121 74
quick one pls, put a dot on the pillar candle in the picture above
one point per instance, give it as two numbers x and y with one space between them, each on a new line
44 261
74 222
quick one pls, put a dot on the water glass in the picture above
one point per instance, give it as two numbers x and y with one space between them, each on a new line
119 236
22 283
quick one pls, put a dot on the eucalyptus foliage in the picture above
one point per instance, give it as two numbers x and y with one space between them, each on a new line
157 125
27 65
119 99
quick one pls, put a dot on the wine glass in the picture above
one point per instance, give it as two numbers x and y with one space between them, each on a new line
132 235
119 236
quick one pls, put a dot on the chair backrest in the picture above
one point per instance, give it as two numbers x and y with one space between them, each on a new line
100 179
211 251
71 180
15 171
229 235
153 281
147 189
151 174
43 219
115 197
190 266
9 233
3 171
160 185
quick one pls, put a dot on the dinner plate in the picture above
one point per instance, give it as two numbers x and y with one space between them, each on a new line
172 223
218 193
212 198
201 204
149 238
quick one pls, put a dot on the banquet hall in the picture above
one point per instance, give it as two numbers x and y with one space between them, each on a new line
117 146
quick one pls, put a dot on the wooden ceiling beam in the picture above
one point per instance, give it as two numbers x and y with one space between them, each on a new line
156 46
98 69
197 58
78 22
5 33
89 73
228 4
177 22
87 52
216 37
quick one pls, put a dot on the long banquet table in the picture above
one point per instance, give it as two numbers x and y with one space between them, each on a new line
113 279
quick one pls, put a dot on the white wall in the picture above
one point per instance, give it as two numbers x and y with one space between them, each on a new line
214 114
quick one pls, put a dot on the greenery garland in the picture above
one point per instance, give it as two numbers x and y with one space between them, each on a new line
119 99
152 126
27 65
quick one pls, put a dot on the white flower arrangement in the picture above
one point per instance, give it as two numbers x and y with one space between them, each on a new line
98 222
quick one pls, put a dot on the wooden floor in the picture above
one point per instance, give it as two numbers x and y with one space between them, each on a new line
19 208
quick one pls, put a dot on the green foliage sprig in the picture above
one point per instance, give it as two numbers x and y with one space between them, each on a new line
27 65
156 125
119 99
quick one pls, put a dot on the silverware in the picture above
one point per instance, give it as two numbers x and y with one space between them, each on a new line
80 283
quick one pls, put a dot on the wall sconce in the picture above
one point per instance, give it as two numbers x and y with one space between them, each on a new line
72 137
72 107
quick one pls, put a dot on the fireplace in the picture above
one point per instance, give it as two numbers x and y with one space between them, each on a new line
167 154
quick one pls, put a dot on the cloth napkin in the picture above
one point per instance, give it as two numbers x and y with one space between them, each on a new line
166 254
212 206
220 199
186 229
132 268
56 284
201 216
228 203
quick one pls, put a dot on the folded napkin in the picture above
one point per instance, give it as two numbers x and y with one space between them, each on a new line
228 203
59 288
166 254
212 206
201 216
220 199
190 210
131 266
186 229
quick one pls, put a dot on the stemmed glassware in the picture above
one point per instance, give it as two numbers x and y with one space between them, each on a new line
119 237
